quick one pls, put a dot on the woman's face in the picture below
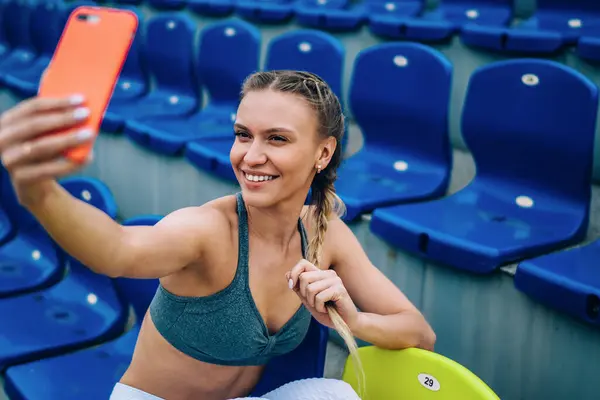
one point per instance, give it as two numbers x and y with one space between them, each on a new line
277 147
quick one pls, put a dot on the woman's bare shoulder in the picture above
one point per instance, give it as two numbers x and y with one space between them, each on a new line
209 222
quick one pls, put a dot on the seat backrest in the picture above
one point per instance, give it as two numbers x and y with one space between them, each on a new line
168 53
229 51
46 26
92 191
132 2
16 20
3 40
414 374
97 194
531 123
19 217
571 5
400 97
405 8
326 5
138 292
475 3
309 50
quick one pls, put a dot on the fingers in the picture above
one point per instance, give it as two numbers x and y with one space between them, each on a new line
310 282
317 287
23 129
302 266
46 170
332 293
43 148
308 278
39 105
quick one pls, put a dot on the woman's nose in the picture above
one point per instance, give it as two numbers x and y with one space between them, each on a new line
255 154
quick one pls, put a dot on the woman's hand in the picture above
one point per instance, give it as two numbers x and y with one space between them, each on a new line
316 287
29 154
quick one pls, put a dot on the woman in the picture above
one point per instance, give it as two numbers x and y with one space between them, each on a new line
241 275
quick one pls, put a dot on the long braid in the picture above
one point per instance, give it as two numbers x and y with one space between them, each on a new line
327 202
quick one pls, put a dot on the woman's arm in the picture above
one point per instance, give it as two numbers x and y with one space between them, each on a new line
106 247
387 318
33 157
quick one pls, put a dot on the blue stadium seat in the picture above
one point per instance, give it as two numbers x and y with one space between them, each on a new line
93 192
88 373
529 125
555 24
303 49
399 95
167 4
265 11
309 50
449 18
6 227
304 362
81 309
229 51
129 2
16 22
567 280
211 8
331 15
48 19
133 80
4 44
29 259
168 56
212 155
386 18
588 48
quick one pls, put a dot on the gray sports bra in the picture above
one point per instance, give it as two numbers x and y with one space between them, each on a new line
226 328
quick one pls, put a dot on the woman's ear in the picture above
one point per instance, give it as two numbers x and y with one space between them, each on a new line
325 152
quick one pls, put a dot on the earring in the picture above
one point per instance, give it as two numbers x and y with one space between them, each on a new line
318 168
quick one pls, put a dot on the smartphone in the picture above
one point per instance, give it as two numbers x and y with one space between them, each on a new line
88 60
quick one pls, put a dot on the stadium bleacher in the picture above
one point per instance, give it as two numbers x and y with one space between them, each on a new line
471 176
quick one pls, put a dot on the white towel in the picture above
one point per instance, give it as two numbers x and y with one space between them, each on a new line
310 389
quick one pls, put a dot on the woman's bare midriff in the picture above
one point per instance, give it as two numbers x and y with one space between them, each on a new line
160 369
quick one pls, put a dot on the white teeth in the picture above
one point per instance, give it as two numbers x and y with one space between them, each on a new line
258 178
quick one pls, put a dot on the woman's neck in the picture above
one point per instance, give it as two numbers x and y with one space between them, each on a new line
277 225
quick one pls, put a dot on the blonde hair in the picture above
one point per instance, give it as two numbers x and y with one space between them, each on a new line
324 199
332 204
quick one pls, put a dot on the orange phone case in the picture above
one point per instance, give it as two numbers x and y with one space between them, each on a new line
88 61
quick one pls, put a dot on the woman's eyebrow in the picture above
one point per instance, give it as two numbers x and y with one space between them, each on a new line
270 130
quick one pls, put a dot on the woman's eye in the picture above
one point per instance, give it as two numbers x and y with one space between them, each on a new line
242 135
278 138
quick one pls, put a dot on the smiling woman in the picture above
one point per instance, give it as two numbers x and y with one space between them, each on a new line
276 137
240 276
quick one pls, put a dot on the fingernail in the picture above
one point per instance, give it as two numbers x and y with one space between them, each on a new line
76 99
84 134
291 283
81 113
